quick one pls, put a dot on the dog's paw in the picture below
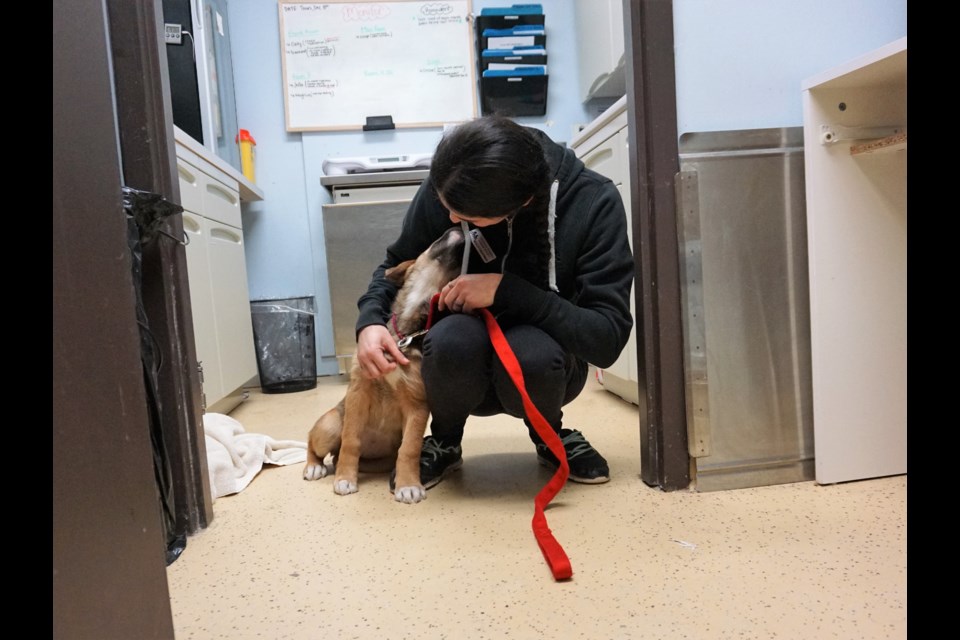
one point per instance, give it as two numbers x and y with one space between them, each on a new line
410 495
344 487
314 471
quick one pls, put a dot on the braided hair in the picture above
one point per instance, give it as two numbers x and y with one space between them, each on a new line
491 167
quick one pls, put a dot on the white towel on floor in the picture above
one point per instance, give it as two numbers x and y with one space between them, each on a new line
234 457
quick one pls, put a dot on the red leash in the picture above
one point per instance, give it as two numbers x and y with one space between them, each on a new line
552 551
554 554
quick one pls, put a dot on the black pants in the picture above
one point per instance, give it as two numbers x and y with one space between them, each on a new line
463 376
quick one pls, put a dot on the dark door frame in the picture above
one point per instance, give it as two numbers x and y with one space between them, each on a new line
653 152
145 118
109 561
111 128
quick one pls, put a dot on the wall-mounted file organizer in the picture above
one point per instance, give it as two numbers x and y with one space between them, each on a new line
512 60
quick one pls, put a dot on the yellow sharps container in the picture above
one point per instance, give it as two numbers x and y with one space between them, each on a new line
248 155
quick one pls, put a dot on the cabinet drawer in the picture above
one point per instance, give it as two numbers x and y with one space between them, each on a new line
221 202
211 197
191 186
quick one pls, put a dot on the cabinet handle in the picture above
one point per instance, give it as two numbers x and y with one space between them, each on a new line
223 193
186 174
601 154
597 157
191 224
222 233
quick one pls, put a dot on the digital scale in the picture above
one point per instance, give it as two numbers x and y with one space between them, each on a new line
376 164
375 178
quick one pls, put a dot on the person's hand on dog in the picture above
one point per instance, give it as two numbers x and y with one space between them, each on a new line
377 352
470 292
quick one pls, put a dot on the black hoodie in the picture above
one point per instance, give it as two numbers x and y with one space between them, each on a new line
589 315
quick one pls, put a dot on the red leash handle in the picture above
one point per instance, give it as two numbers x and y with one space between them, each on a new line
554 554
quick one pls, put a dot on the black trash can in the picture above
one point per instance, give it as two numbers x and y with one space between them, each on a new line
283 332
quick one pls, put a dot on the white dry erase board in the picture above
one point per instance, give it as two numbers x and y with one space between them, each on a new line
346 61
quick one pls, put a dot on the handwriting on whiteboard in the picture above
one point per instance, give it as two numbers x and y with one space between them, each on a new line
345 61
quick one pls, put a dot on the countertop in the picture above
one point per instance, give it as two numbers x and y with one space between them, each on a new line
249 192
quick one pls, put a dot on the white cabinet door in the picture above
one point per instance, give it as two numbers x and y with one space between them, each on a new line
201 301
231 304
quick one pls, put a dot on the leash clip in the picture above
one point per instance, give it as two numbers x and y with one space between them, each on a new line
405 341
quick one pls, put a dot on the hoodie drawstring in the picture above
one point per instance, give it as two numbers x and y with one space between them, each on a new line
551 233
466 247
551 220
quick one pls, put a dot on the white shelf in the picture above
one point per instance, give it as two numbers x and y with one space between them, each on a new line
882 66
896 142
856 192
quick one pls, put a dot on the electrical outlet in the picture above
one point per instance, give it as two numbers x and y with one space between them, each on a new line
173 33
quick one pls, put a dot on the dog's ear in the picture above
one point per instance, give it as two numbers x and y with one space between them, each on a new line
398 274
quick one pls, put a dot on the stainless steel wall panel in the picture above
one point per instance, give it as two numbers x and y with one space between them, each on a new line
746 307
356 238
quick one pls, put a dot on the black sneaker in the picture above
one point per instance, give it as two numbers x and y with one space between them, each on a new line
436 463
587 466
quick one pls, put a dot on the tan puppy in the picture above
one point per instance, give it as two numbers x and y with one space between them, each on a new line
380 423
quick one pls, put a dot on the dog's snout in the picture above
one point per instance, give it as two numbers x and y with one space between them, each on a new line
449 247
454 237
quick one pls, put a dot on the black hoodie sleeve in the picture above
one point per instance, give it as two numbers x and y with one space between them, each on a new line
591 317
424 222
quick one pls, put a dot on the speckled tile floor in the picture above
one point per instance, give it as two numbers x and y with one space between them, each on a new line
289 559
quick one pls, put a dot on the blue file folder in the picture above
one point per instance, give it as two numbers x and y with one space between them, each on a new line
519 71
524 35
513 10
513 58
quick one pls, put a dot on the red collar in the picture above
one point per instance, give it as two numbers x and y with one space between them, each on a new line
434 310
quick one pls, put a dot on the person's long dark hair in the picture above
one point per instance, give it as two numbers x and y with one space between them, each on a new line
491 166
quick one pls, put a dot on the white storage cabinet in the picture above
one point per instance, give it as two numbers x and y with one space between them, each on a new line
602 146
217 274
855 136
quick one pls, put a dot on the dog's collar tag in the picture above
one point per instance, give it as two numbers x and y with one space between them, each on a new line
483 247
406 341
